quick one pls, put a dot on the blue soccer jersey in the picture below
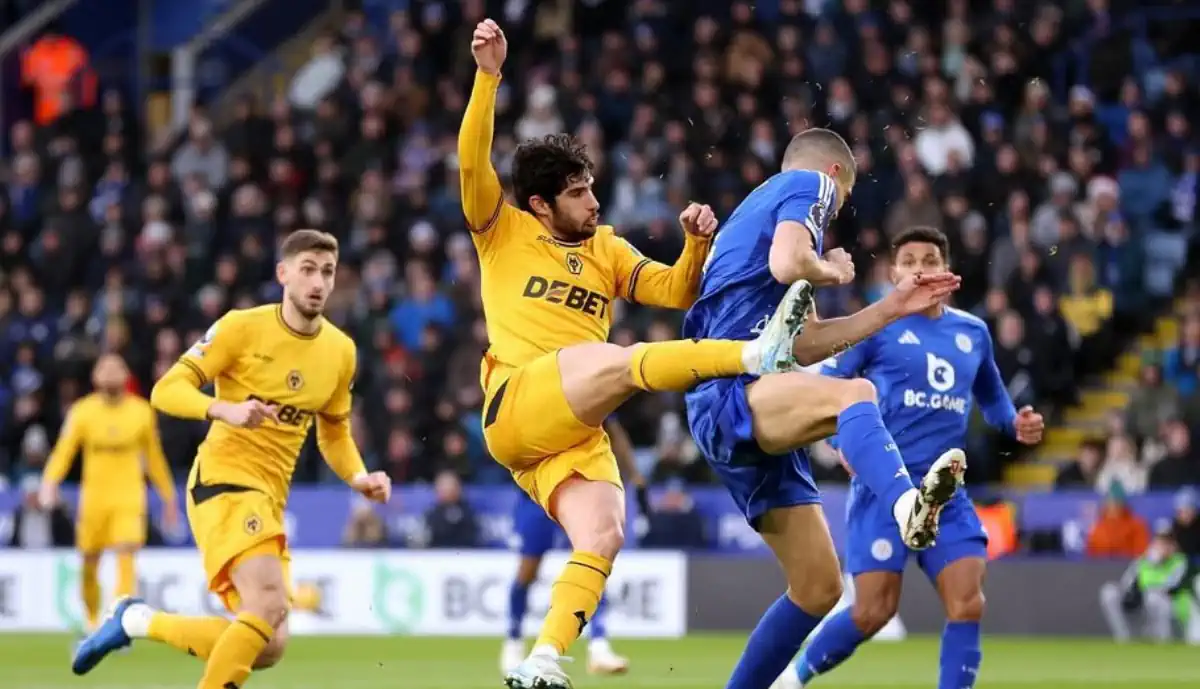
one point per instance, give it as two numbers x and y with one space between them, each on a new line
927 371
738 294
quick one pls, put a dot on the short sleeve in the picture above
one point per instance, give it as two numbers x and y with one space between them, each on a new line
217 350
810 200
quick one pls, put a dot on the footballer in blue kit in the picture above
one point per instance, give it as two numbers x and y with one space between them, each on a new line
751 430
534 535
927 369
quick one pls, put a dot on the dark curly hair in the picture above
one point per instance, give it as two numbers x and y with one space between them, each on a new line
546 167
925 235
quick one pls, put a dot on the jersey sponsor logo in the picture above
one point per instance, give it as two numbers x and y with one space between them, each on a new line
909 338
571 296
941 376
574 263
288 414
295 381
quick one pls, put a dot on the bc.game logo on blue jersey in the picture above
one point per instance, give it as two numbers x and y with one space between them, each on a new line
941 376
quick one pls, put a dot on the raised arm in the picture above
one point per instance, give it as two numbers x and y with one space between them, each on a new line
676 286
482 196
824 338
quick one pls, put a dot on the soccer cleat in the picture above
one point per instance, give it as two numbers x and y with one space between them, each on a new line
511 655
937 488
539 671
110 636
602 660
774 349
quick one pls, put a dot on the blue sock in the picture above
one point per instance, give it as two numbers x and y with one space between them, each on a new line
962 653
596 627
772 645
832 645
518 601
871 452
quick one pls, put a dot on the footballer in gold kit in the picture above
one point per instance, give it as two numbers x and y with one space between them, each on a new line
278 370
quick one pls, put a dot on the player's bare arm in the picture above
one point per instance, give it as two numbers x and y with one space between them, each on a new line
482 196
793 258
917 293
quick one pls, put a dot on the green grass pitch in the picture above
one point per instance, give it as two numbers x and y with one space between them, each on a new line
697 662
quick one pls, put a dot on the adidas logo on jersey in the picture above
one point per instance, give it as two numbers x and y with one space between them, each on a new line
909 338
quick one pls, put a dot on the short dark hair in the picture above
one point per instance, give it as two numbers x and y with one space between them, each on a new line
822 143
923 234
301 241
545 167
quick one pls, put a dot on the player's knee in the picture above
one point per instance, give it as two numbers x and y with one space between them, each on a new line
966 608
872 613
856 390
817 594
605 539
273 653
268 601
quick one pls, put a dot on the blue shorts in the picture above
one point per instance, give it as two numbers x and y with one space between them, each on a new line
719 417
873 542
534 532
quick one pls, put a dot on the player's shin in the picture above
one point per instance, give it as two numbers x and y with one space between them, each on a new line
831 646
962 654
678 365
233 656
871 452
772 645
195 636
89 589
126 574
573 601
518 602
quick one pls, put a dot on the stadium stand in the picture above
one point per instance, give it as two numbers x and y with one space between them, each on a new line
1056 147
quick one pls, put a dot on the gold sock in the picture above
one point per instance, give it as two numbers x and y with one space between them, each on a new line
677 365
237 648
195 636
89 590
126 575
573 599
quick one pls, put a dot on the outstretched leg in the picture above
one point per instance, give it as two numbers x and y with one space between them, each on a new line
849 409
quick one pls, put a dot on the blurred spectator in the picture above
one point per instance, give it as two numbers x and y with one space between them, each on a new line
1118 531
1185 525
319 76
36 525
1152 403
451 522
1158 587
1087 307
56 67
1181 361
1084 472
1121 467
674 522
1181 464
365 529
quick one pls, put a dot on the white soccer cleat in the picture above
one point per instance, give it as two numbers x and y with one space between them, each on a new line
602 660
511 655
541 670
944 479
773 350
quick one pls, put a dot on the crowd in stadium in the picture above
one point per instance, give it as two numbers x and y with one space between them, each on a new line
1066 205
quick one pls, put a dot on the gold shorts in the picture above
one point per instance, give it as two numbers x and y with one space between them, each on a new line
229 524
530 429
102 528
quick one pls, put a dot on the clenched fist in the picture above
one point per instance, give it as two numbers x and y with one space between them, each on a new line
698 219
489 46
